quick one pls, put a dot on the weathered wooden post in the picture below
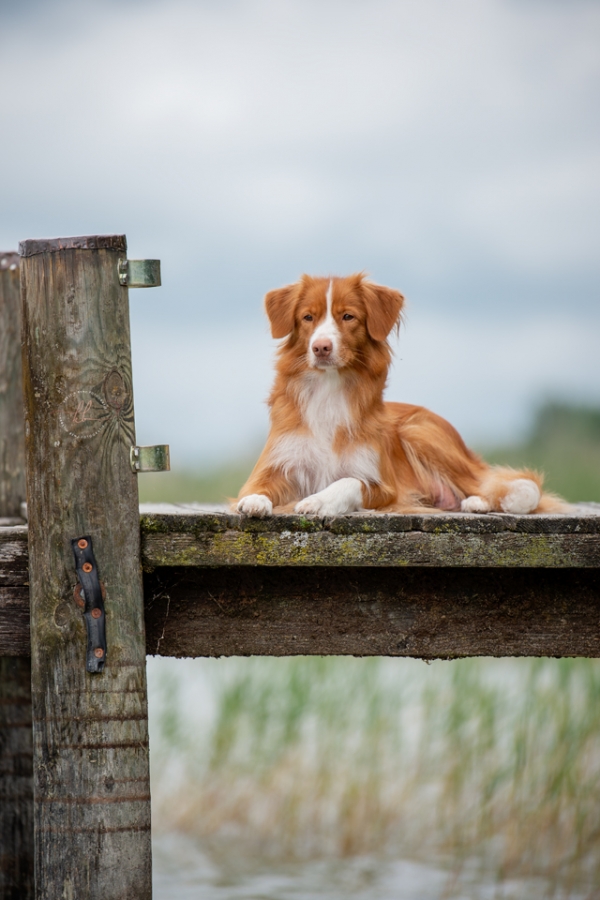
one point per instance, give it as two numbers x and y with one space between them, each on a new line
16 780
12 449
90 730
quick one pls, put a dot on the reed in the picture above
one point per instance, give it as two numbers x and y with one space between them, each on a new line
495 762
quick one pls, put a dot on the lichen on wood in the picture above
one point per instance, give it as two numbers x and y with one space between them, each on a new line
222 538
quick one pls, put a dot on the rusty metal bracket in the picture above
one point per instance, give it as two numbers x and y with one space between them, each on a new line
91 591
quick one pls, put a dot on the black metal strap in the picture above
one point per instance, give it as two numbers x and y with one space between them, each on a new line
91 592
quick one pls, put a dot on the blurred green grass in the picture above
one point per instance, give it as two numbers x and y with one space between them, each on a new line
210 485
488 762
563 442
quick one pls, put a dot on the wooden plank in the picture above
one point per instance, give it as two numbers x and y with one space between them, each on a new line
164 518
92 800
423 613
196 536
16 781
12 440
232 548
14 594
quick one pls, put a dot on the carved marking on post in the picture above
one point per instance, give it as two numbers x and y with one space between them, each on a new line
78 408
115 390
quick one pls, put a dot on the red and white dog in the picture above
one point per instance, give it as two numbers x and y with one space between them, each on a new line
335 446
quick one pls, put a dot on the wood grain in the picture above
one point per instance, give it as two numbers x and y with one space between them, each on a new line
92 802
81 242
423 613
12 441
16 781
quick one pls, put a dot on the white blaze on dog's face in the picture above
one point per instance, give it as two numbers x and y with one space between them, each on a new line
324 344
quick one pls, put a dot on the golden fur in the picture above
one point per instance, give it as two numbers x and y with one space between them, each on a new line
423 463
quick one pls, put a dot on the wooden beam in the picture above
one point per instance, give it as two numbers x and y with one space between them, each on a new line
16 776
424 611
91 776
212 536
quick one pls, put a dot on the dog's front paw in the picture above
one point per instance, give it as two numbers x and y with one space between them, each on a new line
341 497
255 505
475 504
314 505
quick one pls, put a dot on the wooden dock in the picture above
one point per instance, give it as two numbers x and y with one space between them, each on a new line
431 586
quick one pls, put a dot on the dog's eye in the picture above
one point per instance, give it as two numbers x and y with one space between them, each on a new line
347 317
308 318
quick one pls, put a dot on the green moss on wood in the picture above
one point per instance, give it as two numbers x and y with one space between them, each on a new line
287 548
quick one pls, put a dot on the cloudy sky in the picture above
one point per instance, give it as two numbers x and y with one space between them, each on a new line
448 147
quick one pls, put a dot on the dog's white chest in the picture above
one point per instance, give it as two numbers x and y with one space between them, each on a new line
324 405
307 457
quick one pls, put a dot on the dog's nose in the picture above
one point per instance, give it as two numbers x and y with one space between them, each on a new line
322 348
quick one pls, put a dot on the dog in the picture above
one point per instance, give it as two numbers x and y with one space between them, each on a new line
336 447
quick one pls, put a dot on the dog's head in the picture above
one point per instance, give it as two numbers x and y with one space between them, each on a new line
331 322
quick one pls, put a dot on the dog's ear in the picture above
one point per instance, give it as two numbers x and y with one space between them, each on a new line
384 308
280 306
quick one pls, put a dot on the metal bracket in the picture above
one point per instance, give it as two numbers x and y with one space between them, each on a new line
150 459
91 591
139 273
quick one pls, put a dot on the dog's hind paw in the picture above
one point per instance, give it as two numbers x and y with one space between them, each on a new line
255 505
522 497
475 504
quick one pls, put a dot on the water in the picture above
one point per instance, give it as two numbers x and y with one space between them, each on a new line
184 871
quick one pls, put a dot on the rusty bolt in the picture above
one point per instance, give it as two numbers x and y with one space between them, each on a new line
96 613
82 544
99 653
87 567
77 596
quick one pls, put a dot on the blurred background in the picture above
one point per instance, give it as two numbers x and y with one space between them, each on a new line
450 149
